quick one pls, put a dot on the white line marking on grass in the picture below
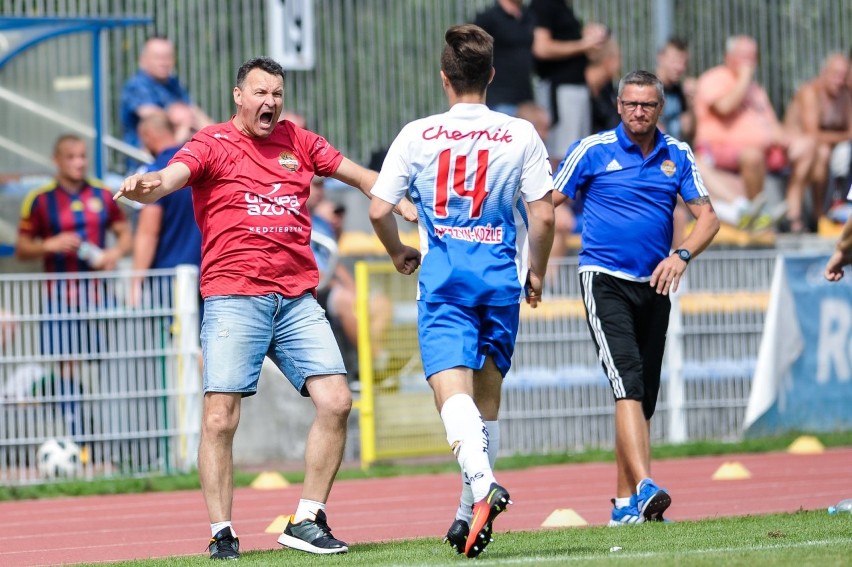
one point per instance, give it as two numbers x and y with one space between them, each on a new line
650 554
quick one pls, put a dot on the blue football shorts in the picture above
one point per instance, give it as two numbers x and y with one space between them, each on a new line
453 335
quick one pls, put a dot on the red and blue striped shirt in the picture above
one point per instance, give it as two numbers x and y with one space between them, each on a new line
52 209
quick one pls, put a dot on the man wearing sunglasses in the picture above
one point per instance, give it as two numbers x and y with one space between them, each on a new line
631 177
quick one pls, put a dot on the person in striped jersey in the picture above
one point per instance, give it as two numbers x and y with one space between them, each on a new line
69 211
631 177
65 224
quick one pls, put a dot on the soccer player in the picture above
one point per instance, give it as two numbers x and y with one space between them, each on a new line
71 211
250 181
631 177
65 224
481 183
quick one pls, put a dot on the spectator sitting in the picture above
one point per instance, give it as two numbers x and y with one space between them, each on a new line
737 131
822 109
156 87
672 61
511 26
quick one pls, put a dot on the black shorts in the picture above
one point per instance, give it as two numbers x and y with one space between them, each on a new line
628 321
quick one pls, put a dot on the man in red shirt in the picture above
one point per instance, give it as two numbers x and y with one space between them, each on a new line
250 181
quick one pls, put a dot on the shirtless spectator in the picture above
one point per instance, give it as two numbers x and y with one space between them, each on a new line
822 109
738 132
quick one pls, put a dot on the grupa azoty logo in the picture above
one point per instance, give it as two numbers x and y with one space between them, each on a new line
272 205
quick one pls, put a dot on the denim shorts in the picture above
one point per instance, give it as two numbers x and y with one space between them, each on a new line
239 330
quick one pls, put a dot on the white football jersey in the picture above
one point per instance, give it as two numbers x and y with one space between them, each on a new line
468 171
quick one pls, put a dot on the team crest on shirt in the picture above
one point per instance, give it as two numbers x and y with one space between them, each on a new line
288 161
95 205
668 167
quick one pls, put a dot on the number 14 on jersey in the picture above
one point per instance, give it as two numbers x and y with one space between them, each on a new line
476 195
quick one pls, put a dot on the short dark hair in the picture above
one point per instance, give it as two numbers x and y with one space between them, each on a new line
677 43
642 79
267 64
468 58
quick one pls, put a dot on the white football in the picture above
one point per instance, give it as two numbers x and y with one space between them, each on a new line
58 458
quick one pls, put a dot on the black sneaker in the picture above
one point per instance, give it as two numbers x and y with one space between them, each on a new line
313 536
224 545
484 513
457 535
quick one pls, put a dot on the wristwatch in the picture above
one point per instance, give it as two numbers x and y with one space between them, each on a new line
683 254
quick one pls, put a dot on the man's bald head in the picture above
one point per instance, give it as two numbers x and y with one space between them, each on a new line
157 132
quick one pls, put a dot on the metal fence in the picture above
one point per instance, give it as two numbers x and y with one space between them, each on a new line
92 386
376 60
121 383
556 397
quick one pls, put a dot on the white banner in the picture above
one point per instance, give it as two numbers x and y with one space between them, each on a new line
291 33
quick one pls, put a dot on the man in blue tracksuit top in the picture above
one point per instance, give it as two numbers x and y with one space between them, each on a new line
630 178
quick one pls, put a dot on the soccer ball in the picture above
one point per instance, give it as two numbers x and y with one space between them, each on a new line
58 458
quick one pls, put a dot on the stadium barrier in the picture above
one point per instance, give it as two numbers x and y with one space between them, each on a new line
93 386
803 373
556 397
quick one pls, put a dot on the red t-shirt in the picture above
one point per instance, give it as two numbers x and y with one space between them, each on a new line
249 198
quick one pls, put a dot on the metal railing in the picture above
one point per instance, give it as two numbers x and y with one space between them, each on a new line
556 396
98 379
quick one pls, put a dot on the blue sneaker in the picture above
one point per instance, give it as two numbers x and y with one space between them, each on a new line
652 500
627 515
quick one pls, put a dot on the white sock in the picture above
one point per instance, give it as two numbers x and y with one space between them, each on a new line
217 527
468 437
465 510
742 203
307 510
493 428
622 502
728 212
